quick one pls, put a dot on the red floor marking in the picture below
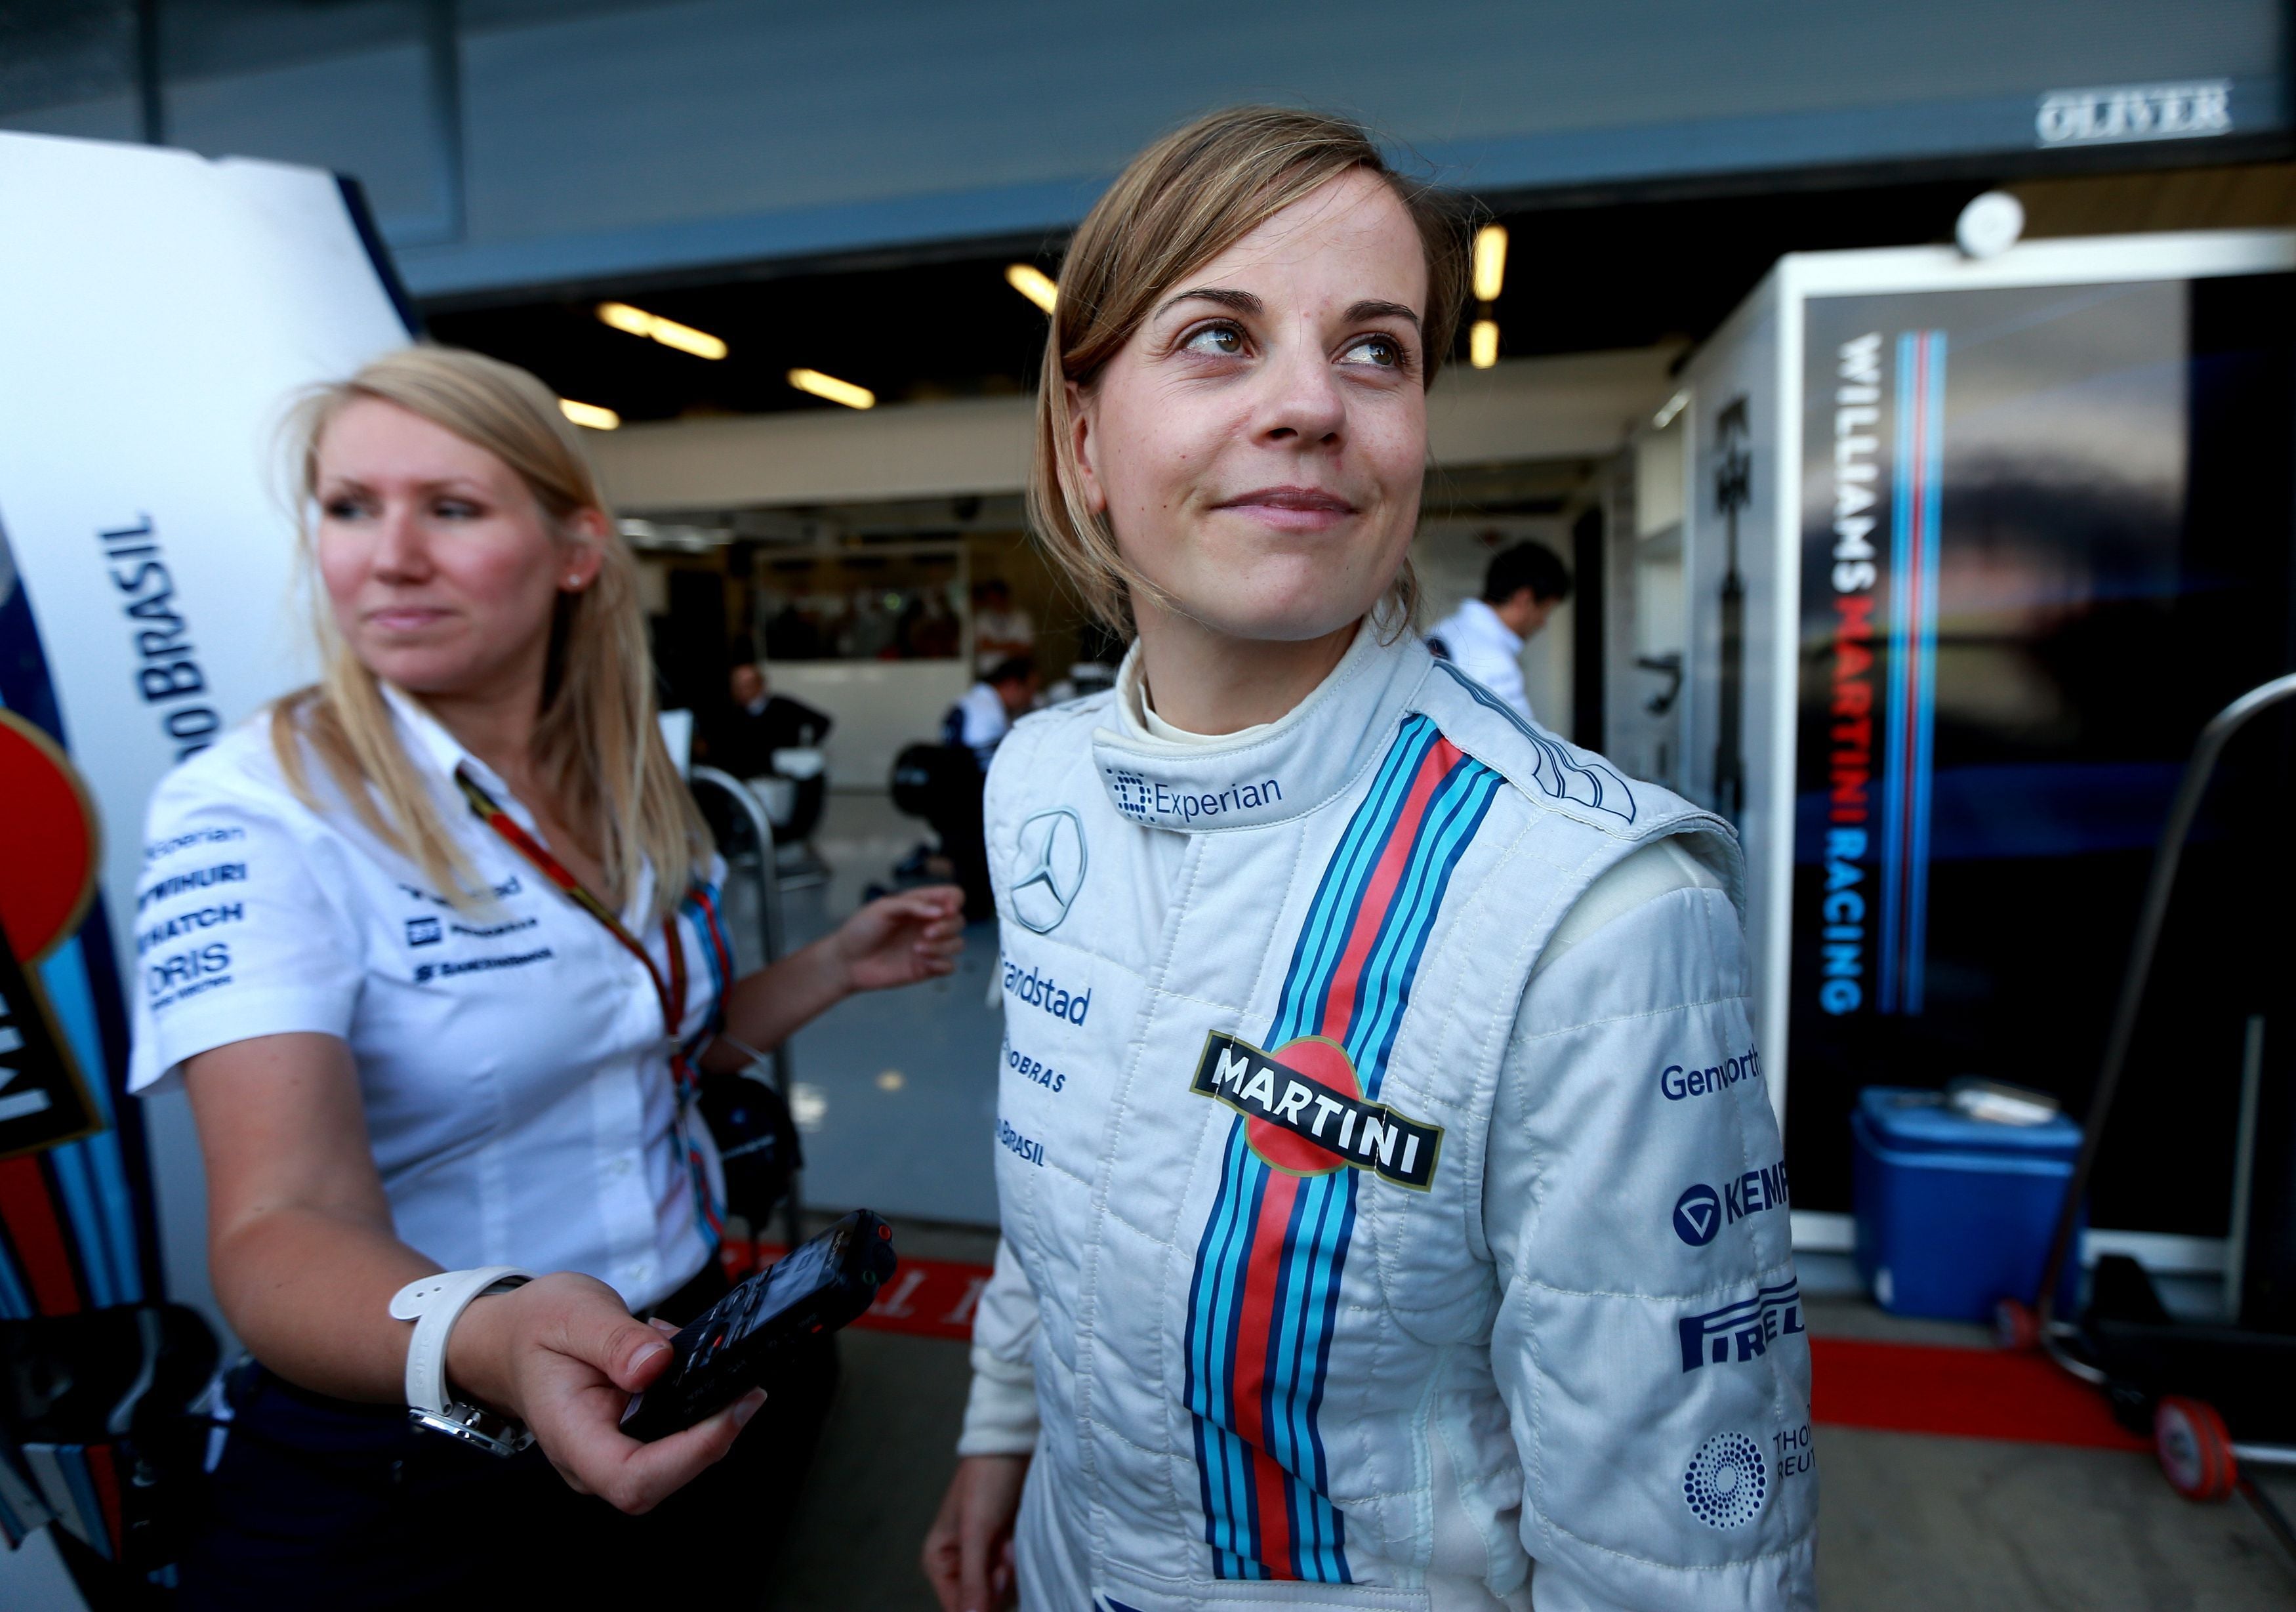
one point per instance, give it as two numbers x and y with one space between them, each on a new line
928 1298
1959 1393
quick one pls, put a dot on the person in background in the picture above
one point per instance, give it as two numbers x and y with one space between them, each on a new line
451 975
1000 631
970 734
757 721
1484 637
985 714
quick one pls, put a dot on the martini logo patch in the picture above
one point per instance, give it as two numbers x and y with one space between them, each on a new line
1306 1113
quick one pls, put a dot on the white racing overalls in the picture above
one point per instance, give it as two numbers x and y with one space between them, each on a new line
1354 1266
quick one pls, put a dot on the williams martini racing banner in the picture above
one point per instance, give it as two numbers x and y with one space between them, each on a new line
157 311
2045 535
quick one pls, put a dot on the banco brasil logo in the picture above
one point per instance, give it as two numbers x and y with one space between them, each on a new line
1305 1113
1050 870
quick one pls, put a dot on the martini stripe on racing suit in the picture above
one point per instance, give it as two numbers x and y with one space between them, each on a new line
1264 1299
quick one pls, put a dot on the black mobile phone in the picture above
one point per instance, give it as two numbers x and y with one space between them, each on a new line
728 1349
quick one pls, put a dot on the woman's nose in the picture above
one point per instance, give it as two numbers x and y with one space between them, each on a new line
1304 401
401 551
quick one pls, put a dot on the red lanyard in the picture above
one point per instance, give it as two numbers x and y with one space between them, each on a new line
671 991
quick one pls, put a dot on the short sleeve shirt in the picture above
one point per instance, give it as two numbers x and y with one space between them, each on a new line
513 1063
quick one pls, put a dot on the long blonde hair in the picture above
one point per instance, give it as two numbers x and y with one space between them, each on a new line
596 742
1181 202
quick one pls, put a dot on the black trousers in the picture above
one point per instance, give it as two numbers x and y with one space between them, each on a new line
327 1503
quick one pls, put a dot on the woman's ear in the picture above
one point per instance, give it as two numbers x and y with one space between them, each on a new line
586 532
1083 445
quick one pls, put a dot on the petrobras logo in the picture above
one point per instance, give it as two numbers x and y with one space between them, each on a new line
1676 1082
1304 1111
1152 801
1700 1211
1742 1331
1726 1482
1037 989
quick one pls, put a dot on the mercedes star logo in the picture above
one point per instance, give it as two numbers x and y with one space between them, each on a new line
1051 868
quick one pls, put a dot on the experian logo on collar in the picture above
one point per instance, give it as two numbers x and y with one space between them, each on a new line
1152 801
2134 111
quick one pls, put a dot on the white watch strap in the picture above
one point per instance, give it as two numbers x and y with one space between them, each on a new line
434 1303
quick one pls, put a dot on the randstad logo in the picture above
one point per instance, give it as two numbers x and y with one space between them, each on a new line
1039 989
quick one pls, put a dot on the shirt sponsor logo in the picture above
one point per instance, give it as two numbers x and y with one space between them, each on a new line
1019 1146
1305 1114
424 973
187 973
184 923
492 930
1742 1331
182 841
1051 868
1678 1080
1791 1452
1039 989
508 887
199 878
424 931
1700 1211
1148 801
1698 1215
1032 1069
1727 1481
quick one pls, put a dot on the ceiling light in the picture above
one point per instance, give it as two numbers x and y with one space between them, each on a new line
589 414
832 389
1032 282
1675 404
1483 344
1490 261
653 327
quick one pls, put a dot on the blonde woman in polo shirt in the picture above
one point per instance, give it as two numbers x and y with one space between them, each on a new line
454 966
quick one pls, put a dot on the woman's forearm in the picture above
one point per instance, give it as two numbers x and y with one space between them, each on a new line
309 1293
765 1009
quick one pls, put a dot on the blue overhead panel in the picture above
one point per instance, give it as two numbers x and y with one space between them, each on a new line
539 140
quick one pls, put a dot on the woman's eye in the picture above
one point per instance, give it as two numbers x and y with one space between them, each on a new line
343 509
1384 352
455 509
1220 341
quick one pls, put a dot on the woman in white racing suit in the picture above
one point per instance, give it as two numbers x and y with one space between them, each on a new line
1393 1211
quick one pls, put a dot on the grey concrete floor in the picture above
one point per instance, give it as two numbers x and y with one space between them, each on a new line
1907 1521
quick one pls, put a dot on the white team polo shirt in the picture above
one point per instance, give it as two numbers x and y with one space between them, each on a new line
513 1064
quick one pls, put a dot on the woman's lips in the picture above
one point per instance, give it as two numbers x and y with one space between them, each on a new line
1292 508
404 619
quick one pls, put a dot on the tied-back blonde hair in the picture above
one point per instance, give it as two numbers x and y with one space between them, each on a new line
1181 202
596 740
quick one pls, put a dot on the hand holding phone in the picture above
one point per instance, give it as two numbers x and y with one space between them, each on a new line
728 1349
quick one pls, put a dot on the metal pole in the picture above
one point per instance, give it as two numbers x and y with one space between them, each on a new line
2206 752
769 934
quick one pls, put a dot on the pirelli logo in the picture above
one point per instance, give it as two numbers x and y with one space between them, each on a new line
1306 1121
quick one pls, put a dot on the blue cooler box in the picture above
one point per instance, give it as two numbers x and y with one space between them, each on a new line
1955 1213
